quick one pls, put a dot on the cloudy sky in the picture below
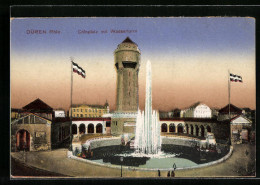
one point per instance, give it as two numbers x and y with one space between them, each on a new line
190 60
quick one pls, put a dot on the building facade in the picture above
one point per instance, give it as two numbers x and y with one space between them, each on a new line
31 133
89 111
59 113
240 128
198 127
15 113
127 62
81 126
123 123
198 110
61 132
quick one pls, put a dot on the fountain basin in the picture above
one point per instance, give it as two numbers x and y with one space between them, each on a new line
181 151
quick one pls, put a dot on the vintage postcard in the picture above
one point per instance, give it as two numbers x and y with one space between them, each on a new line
112 97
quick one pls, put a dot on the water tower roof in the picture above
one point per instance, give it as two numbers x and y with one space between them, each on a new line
128 40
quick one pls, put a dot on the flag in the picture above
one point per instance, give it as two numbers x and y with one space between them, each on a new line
78 69
235 78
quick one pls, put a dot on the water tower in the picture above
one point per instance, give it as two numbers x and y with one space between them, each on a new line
127 62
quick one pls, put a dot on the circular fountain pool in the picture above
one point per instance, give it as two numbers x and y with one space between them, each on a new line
182 156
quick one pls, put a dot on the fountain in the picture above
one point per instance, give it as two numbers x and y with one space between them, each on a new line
147 133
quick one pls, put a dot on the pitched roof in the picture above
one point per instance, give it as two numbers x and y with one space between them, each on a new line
240 116
195 105
233 109
37 104
28 114
128 40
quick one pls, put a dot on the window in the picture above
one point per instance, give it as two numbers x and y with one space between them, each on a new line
81 110
86 115
77 110
77 115
81 115
73 110
86 110
99 111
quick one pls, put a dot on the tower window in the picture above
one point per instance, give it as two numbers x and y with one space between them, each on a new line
129 64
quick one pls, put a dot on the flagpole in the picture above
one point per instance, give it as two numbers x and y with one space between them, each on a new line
229 94
71 91
71 87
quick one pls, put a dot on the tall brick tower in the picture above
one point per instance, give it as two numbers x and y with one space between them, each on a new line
127 62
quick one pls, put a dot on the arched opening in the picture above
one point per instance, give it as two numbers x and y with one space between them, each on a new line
197 130
208 129
99 128
23 140
191 129
202 131
172 127
74 129
180 128
164 127
82 128
90 128
187 129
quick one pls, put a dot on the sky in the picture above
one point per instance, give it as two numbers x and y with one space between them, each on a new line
190 60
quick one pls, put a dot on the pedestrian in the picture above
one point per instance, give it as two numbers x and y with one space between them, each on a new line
172 174
168 174
246 152
174 166
159 173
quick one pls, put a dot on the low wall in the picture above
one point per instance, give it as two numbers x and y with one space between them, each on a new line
96 143
180 141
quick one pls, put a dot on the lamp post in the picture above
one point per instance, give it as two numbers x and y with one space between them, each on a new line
121 159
